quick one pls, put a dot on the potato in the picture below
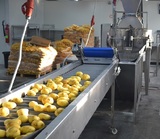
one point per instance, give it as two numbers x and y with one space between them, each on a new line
87 82
86 77
17 100
2 133
58 79
79 73
9 105
52 85
48 99
58 111
40 97
23 118
23 112
39 108
38 124
12 124
31 93
31 118
53 95
44 116
46 90
32 104
63 98
35 90
20 137
27 129
4 111
38 86
13 132
62 94
62 103
71 95
50 108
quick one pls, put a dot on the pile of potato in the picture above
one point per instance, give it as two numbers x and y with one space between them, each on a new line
50 99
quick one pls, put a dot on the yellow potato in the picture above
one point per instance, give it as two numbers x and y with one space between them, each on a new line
17 100
9 105
48 99
86 77
27 129
45 90
62 94
35 90
63 98
38 86
58 111
31 93
44 116
20 137
62 103
58 79
79 73
13 132
50 108
40 97
71 95
53 95
52 85
4 111
31 118
39 108
32 104
23 112
2 133
23 118
38 124
12 124
87 82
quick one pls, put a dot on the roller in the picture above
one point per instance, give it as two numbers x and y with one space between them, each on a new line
98 52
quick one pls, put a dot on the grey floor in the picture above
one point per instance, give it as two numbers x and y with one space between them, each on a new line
147 124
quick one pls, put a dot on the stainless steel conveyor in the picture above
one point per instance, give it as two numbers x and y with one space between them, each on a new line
72 121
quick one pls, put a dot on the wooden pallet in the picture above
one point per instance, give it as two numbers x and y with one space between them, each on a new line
37 75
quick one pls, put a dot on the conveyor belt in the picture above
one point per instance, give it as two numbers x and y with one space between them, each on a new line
71 122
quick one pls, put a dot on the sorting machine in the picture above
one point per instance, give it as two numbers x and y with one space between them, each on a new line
102 66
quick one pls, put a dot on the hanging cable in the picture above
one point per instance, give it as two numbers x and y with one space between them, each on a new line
92 23
27 9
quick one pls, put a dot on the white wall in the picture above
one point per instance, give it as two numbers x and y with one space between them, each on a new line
3 16
63 14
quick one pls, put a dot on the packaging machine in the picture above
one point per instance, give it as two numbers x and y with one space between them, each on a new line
129 36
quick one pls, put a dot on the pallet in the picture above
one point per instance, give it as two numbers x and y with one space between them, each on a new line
37 75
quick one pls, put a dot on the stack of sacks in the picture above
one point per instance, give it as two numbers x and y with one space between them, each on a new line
74 33
35 59
64 49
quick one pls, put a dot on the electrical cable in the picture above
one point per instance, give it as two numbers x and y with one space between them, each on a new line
20 56
92 23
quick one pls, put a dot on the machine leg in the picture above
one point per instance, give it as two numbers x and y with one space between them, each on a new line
113 129
147 67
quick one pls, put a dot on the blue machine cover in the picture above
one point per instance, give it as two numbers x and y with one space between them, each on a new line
105 52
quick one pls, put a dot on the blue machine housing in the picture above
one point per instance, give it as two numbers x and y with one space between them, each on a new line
106 52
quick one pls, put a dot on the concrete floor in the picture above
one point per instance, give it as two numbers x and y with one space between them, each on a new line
147 124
